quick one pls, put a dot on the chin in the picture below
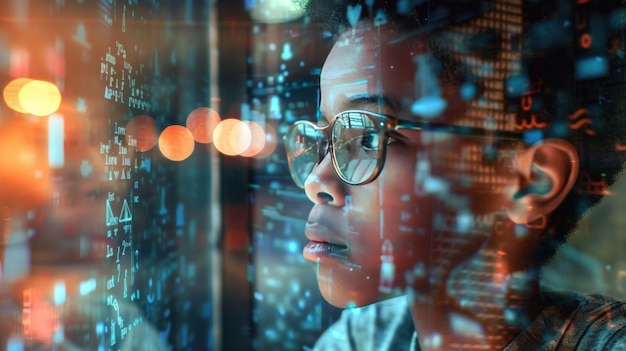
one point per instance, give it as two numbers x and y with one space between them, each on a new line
347 300
349 293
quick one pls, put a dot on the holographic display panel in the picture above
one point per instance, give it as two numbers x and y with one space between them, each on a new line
116 253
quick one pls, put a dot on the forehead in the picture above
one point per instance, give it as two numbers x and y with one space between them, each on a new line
370 62
376 42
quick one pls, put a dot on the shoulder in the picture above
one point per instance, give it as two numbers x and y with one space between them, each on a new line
373 327
599 324
575 322
594 322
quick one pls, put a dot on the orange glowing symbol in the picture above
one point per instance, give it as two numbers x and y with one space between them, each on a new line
202 122
271 140
36 97
257 142
176 143
142 130
232 137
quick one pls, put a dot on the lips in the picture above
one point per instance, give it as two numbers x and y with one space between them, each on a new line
315 251
324 230
316 248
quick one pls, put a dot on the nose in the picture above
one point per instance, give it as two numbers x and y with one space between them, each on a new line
323 185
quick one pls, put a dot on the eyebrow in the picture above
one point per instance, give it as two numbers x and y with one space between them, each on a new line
359 101
380 101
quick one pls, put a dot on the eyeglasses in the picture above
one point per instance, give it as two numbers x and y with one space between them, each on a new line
357 142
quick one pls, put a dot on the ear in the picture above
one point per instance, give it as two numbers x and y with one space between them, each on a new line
548 170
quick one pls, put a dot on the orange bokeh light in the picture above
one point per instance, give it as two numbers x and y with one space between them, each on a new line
258 139
202 122
36 97
40 98
232 137
143 129
271 140
11 94
176 143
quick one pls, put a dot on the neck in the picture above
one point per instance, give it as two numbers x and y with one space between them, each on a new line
481 306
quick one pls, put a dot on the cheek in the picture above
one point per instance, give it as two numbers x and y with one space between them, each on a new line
402 246
405 251
388 208
467 173
409 215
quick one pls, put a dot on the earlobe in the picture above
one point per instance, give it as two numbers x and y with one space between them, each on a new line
548 171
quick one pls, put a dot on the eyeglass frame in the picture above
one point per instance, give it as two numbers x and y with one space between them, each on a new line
391 130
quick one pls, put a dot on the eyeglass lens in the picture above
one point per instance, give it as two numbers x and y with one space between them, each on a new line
303 144
357 146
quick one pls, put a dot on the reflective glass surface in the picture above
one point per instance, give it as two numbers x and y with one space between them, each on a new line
312 175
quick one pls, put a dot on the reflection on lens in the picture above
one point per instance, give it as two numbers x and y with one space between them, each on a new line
356 170
358 144
302 150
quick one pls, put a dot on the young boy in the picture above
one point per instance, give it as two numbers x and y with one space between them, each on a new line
458 146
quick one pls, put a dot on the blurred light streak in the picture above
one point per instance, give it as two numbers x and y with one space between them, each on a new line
56 126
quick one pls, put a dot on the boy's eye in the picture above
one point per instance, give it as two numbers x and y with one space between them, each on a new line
370 141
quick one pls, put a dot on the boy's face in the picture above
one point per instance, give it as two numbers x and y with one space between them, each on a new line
392 235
